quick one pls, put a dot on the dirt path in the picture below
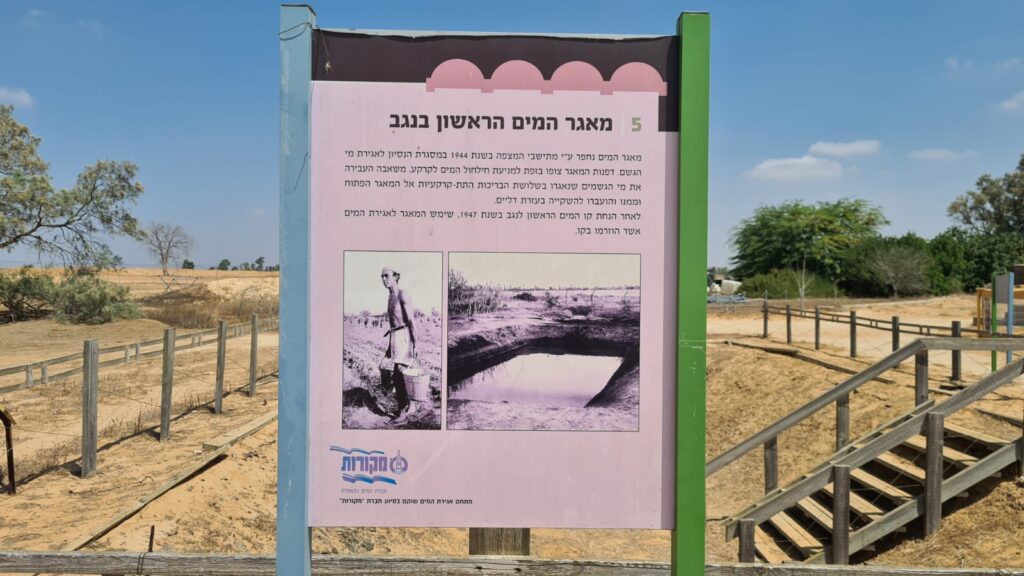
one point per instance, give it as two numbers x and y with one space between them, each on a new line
125 472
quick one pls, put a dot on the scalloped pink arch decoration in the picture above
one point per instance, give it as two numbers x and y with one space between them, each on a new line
638 77
456 73
522 75
516 75
577 75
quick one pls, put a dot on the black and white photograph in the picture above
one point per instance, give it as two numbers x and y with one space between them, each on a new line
543 341
392 340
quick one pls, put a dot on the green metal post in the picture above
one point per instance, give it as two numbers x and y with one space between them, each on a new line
694 74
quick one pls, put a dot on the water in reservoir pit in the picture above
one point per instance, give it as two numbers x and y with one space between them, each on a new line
557 380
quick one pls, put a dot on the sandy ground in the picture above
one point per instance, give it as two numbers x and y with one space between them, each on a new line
230 507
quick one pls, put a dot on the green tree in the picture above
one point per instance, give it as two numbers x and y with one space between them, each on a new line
259 264
804 238
224 264
995 205
187 264
64 223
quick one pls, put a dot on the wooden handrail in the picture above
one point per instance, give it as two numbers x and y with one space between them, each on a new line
810 408
861 452
178 564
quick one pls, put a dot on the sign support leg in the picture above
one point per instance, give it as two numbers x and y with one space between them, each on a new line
293 533
688 536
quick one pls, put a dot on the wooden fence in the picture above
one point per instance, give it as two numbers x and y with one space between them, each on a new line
89 363
175 564
39 372
893 325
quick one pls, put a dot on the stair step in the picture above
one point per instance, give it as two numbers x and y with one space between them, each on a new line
920 443
902 465
797 534
969 434
881 486
768 549
859 504
821 515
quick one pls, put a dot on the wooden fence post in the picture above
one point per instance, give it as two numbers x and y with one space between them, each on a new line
817 327
842 421
166 385
789 324
841 514
895 333
9 448
222 344
764 312
955 376
43 369
933 473
499 541
853 333
771 464
254 332
90 401
921 377
747 526
28 376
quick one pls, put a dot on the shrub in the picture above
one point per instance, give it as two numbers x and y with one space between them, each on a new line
525 297
466 300
84 298
550 299
26 294
783 284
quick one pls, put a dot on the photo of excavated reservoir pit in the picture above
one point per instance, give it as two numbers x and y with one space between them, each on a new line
543 341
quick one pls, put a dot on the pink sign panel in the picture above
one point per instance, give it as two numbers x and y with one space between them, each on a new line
492 328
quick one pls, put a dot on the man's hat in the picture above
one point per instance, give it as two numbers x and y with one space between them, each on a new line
388 270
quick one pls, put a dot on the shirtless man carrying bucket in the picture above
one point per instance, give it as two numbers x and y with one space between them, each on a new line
401 339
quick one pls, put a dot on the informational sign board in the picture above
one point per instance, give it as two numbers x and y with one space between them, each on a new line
496 334
493 216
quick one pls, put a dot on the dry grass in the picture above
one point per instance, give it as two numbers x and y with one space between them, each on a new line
198 307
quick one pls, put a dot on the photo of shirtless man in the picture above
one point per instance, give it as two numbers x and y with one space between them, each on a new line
401 337
391 353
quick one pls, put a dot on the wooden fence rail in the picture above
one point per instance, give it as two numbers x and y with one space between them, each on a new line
176 564
38 372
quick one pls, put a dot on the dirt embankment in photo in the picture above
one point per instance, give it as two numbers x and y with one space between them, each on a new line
482 341
367 402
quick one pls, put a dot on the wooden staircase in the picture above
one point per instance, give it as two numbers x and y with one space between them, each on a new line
803 532
876 485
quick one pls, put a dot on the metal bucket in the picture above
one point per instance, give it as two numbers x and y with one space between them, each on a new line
417 383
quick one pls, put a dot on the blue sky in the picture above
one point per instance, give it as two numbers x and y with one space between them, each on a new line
904 104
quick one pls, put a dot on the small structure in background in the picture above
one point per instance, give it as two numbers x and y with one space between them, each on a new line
722 289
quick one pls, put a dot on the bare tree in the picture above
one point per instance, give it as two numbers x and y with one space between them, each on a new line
167 242
902 268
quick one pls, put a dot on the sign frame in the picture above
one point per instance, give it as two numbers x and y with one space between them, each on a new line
293 554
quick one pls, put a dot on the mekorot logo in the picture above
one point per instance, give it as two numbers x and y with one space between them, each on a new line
358 465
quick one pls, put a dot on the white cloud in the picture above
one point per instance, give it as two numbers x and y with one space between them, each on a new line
845 149
940 155
1015 102
93 27
957 63
803 168
15 96
33 18
1009 64
257 212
